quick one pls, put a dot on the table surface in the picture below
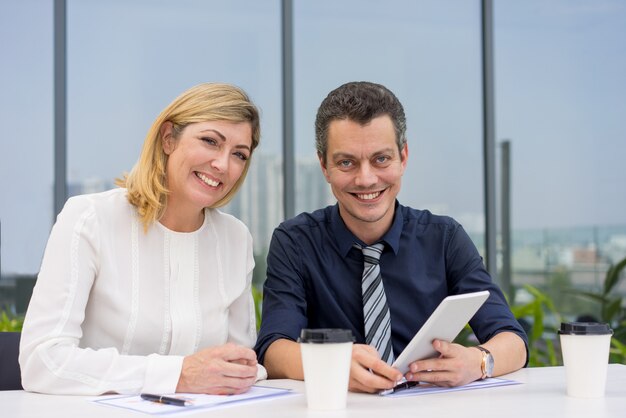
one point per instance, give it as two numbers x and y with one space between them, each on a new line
542 394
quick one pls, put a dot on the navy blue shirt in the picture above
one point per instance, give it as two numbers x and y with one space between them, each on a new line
314 277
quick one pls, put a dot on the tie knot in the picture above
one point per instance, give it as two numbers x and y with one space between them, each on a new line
372 253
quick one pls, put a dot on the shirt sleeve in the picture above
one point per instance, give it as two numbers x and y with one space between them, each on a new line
284 293
51 358
466 273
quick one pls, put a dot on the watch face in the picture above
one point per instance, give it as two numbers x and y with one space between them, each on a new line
489 365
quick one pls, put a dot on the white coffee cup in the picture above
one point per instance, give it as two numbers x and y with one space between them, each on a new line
326 357
585 348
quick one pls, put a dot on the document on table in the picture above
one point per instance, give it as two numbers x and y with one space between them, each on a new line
195 402
428 388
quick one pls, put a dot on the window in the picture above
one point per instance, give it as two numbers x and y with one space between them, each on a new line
128 60
560 89
26 159
428 54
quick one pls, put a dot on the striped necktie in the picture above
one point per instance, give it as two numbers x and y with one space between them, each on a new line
375 309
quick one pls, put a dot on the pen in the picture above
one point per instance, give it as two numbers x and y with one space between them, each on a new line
163 399
403 384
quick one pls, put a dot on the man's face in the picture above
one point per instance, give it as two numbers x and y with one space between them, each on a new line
364 169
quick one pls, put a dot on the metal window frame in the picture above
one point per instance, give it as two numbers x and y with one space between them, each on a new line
289 166
60 105
489 158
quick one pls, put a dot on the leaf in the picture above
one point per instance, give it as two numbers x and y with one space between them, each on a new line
541 298
521 311
611 309
619 334
465 337
613 276
618 351
596 297
552 360
10 322
257 296
537 330
621 347
538 294
550 305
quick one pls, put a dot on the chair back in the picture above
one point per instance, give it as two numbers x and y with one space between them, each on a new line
10 373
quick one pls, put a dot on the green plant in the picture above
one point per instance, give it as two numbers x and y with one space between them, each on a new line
611 310
542 318
466 337
257 296
10 322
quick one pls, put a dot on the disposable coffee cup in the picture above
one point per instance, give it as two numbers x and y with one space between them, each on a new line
585 347
326 357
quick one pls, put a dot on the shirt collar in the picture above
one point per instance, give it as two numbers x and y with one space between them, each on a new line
346 239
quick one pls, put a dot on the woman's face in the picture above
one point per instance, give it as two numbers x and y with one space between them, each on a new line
205 162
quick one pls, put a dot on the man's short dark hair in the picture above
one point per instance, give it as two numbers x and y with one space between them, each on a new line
358 101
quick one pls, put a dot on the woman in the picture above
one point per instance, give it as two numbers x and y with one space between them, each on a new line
146 288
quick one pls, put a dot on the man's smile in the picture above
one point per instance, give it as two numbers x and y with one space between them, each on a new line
369 195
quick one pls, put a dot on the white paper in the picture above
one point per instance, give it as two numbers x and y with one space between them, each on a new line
428 388
195 402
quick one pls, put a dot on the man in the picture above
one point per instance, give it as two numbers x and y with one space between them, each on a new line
325 269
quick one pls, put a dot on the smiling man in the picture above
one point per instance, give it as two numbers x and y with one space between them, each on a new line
374 266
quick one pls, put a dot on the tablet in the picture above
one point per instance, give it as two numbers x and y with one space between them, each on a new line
444 324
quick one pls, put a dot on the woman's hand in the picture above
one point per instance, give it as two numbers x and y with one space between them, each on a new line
224 370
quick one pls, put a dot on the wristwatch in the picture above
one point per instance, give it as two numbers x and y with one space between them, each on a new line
486 366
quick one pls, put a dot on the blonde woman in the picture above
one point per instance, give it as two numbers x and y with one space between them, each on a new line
146 287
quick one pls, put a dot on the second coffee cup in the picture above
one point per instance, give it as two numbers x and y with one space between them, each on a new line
585 347
326 357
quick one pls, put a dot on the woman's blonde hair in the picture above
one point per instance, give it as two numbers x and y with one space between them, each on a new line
147 183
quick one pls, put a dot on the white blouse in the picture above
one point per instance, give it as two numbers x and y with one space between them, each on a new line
115 309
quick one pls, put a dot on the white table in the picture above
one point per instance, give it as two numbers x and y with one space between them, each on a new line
542 394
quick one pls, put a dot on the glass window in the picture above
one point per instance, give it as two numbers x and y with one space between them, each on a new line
428 54
128 60
26 159
560 89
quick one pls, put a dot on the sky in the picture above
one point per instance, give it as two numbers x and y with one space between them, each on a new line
559 81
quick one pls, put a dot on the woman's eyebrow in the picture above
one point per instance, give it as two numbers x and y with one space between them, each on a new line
218 133
223 138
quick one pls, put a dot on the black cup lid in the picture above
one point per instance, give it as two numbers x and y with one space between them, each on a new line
585 328
325 335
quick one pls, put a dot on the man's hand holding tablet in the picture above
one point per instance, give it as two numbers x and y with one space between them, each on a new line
431 350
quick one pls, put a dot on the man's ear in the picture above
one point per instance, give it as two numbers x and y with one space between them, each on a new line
404 155
167 137
323 166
